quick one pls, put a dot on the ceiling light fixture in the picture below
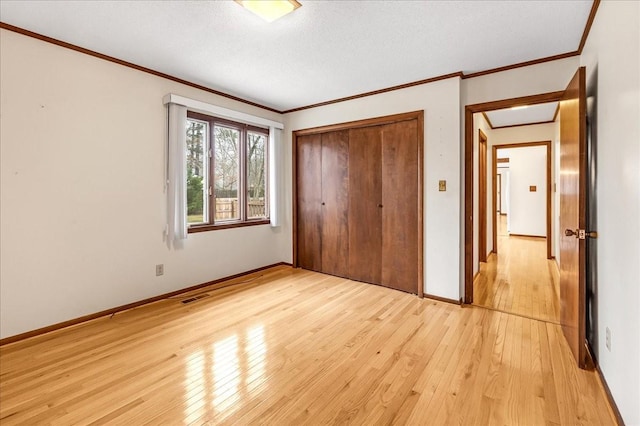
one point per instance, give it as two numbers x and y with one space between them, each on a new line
269 10
519 107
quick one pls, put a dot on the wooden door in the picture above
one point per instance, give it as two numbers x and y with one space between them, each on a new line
573 169
400 206
365 201
335 203
482 197
309 193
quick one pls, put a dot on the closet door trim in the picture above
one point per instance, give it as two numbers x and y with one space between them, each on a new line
414 115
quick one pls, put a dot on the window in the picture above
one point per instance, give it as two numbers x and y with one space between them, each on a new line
226 173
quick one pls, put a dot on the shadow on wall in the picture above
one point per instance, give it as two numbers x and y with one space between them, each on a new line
592 219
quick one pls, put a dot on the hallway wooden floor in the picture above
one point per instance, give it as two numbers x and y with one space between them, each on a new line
519 279
294 347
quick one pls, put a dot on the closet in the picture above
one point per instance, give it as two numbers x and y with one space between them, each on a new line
358 200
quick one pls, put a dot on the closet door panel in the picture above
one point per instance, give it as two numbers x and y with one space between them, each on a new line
309 189
335 203
400 225
365 199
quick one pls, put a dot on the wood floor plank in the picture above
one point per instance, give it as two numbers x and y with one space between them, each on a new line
293 347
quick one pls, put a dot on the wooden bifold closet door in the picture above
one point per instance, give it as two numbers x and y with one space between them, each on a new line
400 222
323 180
359 203
365 204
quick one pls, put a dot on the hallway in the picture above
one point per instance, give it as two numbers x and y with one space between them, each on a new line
519 279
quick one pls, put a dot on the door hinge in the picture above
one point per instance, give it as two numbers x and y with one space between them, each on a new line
210 153
210 191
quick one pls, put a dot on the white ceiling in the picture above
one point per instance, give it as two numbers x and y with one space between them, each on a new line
539 113
322 51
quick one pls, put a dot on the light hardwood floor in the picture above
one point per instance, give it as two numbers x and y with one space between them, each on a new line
519 279
295 347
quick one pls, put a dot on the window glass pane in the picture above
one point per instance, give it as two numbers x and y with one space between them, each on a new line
227 172
256 175
197 184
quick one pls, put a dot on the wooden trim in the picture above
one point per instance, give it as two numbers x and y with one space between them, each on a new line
555 114
548 185
85 318
521 64
376 121
420 197
524 124
108 58
194 229
587 28
442 299
468 205
469 170
514 102
501 160
294 198
377 92
486 117
460 74
367 122
526 235
483 144
494 197
605 386
550 235
521 145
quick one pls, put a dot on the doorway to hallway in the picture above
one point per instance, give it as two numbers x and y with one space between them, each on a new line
520 280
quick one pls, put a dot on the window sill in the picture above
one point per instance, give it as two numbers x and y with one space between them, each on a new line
227 225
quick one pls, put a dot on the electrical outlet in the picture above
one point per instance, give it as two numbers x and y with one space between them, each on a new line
159 270
608 339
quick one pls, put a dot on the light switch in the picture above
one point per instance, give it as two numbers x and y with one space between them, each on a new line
442 185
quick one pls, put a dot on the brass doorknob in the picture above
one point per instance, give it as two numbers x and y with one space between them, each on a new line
570 232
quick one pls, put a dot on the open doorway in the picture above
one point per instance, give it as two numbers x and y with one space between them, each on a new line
514 266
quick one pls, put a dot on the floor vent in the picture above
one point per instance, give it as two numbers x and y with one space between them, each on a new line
194 298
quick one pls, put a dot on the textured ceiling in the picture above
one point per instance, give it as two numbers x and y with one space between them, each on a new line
539 113
323 51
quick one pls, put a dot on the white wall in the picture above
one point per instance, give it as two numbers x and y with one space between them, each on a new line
82 201
528 210
532 80
441 104
504 204
612 58
519 134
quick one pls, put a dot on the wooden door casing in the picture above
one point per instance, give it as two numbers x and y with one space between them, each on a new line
482 197
573 168
400 184
309 199
365 199
335 203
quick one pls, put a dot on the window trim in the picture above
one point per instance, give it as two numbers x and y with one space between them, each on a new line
243 198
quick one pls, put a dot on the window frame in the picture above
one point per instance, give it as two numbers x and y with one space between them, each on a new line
243 196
